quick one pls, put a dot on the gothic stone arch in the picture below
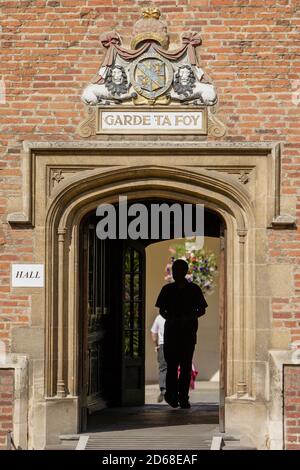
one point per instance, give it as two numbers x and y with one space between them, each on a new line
239 182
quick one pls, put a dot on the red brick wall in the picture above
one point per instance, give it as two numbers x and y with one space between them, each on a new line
292 407
50 49
6 403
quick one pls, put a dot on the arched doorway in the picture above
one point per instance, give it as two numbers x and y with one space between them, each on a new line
79 197
112 315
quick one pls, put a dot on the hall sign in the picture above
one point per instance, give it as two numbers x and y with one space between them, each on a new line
27 275
149 121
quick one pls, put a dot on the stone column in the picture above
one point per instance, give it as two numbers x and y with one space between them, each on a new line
242 385
61 388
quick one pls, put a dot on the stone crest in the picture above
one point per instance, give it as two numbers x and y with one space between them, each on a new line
149 74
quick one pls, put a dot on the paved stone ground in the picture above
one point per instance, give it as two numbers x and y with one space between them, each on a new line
153 427
204 392
156 426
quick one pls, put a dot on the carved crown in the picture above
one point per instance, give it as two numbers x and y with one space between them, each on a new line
150 28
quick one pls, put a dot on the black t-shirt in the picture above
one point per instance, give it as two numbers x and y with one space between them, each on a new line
181 308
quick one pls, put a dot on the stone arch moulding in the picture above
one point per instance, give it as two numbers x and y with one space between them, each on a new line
22 211
71 203
62 182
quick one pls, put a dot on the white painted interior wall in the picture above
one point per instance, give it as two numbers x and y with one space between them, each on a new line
206 357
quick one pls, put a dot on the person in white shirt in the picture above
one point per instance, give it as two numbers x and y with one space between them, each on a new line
157 333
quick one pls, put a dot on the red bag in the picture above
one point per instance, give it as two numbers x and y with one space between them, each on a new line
193 376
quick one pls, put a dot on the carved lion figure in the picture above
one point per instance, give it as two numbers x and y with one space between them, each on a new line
188 87
115 88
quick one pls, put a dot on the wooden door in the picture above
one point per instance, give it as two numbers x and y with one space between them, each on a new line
94 313
222 311
133 324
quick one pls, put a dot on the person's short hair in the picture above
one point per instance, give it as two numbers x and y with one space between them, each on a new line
181 264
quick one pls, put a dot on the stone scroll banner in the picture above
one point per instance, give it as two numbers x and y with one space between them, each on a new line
160 121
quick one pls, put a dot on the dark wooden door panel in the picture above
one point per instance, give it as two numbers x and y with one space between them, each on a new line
95 310
133 324
222 312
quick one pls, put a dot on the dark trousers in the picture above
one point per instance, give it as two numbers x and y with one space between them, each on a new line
178 354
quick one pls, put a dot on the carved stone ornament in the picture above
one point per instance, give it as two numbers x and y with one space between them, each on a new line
244 177
58 176
88 126
216 128
284 221
150 74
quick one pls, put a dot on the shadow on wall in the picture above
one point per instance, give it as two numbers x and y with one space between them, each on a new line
206 358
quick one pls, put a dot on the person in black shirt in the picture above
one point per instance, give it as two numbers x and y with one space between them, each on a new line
180 303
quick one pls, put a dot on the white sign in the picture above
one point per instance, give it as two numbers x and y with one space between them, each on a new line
27 275
115 121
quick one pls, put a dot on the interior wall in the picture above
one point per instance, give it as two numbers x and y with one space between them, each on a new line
206 357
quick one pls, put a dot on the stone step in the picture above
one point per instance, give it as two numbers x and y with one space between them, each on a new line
60 447
237 446
69 440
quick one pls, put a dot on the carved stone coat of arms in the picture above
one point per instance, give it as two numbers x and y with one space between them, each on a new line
149 73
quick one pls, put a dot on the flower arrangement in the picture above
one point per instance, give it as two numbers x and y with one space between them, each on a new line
202 266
